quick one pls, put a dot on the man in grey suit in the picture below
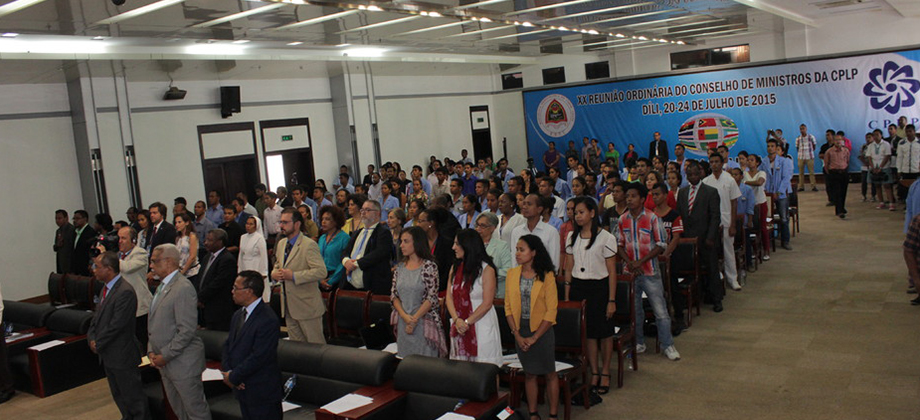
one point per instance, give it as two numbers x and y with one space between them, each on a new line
698 205
111 336
133 264
172 346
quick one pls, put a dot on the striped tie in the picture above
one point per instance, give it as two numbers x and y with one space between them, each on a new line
692 196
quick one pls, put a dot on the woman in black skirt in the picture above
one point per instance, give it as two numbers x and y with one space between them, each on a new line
590 275
530 306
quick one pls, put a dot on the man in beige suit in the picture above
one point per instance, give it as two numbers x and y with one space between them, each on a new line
173 346
299 267
133 265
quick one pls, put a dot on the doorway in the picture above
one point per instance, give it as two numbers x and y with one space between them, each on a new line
231 175
481 132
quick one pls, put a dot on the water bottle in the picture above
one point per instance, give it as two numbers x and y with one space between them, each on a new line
7 329
289 386
459 404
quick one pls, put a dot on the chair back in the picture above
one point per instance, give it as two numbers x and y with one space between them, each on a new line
379 309
349 312
571 335
504 329
79 290
625 314
69 322
56 288
685 261
24 315
213 343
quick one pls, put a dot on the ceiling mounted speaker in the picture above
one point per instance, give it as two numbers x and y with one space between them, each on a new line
174 94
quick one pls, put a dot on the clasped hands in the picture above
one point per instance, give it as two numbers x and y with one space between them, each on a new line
524 343
461 326
282 274
227 382
411 323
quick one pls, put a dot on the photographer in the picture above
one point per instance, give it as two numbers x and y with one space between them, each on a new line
133 268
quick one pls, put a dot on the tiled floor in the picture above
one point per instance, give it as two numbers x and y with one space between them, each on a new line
822 332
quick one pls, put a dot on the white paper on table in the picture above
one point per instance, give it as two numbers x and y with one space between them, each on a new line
391 348
286 406
512 361
644 296
46 345
616 330
455 416
560 366
18 336
680 279
211 375
346 403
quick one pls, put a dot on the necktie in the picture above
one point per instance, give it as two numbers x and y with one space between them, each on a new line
156 295
208 268
239 326
359 249
287 250
105 291
692 196
154 233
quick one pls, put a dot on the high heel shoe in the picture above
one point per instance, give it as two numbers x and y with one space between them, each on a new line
603 389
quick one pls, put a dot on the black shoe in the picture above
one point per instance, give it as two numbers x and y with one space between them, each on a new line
814 188
678 327
829 204
842 215
914 302
801 189
718 307
6 396
786 246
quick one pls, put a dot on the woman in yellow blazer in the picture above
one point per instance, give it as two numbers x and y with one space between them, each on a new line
530 306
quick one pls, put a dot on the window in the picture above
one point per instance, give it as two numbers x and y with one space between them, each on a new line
710 57
553 75
598 70
512 81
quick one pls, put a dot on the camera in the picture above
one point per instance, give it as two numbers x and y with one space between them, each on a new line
108 241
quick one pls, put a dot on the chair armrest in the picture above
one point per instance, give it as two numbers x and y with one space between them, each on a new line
62 367
39 335
482 409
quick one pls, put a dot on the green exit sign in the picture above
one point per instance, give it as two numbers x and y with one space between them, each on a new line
287 138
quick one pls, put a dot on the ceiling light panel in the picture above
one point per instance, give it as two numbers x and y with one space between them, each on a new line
239 15
381 24
319 19
594 12
547 7
17 5
143 10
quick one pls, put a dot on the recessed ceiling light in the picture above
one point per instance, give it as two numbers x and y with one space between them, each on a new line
593 32
294 43
10 35
485 19
681 42
643 38
342 45
374 8
620 36
434 14
527 24
98 38
241 41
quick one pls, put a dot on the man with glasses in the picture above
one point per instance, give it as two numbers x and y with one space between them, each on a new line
496 248
299 267
367 261
249 363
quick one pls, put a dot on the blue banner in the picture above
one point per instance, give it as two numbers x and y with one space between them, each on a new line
731 107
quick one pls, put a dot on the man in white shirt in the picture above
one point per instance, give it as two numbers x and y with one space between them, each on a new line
272 213
546 190
805 145
909 154
441 184
533 212
878 160
728 205
373 190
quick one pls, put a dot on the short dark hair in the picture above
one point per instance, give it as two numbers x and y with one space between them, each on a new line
105 221
61 212
640 189
252 280
110 259
220 235
295 215
716 155
661 186
160 206
260 187
180 200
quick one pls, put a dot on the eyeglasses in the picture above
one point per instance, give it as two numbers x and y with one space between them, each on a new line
368 210
482 226
239 289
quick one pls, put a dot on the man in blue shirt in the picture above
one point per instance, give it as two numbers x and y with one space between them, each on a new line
215 212
779 186
417 174
469 181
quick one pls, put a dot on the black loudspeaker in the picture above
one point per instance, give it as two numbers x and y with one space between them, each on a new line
229 100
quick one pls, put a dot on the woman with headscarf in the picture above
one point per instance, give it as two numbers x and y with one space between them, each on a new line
254 254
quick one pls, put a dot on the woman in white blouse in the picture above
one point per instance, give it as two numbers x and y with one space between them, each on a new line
590 275
254 254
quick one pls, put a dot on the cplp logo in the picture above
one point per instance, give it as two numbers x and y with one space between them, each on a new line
556 115
892 87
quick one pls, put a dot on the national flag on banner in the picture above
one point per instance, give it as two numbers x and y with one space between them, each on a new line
706 122
727 123
708 134
687 126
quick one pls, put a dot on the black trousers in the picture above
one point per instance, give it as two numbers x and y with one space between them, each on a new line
140 331
6 377
837 183
128 392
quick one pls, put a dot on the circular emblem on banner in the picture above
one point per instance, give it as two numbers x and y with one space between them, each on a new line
703 132
556 115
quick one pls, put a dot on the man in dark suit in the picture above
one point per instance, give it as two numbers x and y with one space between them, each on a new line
84 237
111 336
698 205
214 294
369 253
250 357
63 241
162 232
658 147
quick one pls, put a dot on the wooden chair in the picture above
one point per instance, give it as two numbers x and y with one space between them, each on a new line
624 338
571 341
685 264
379 308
